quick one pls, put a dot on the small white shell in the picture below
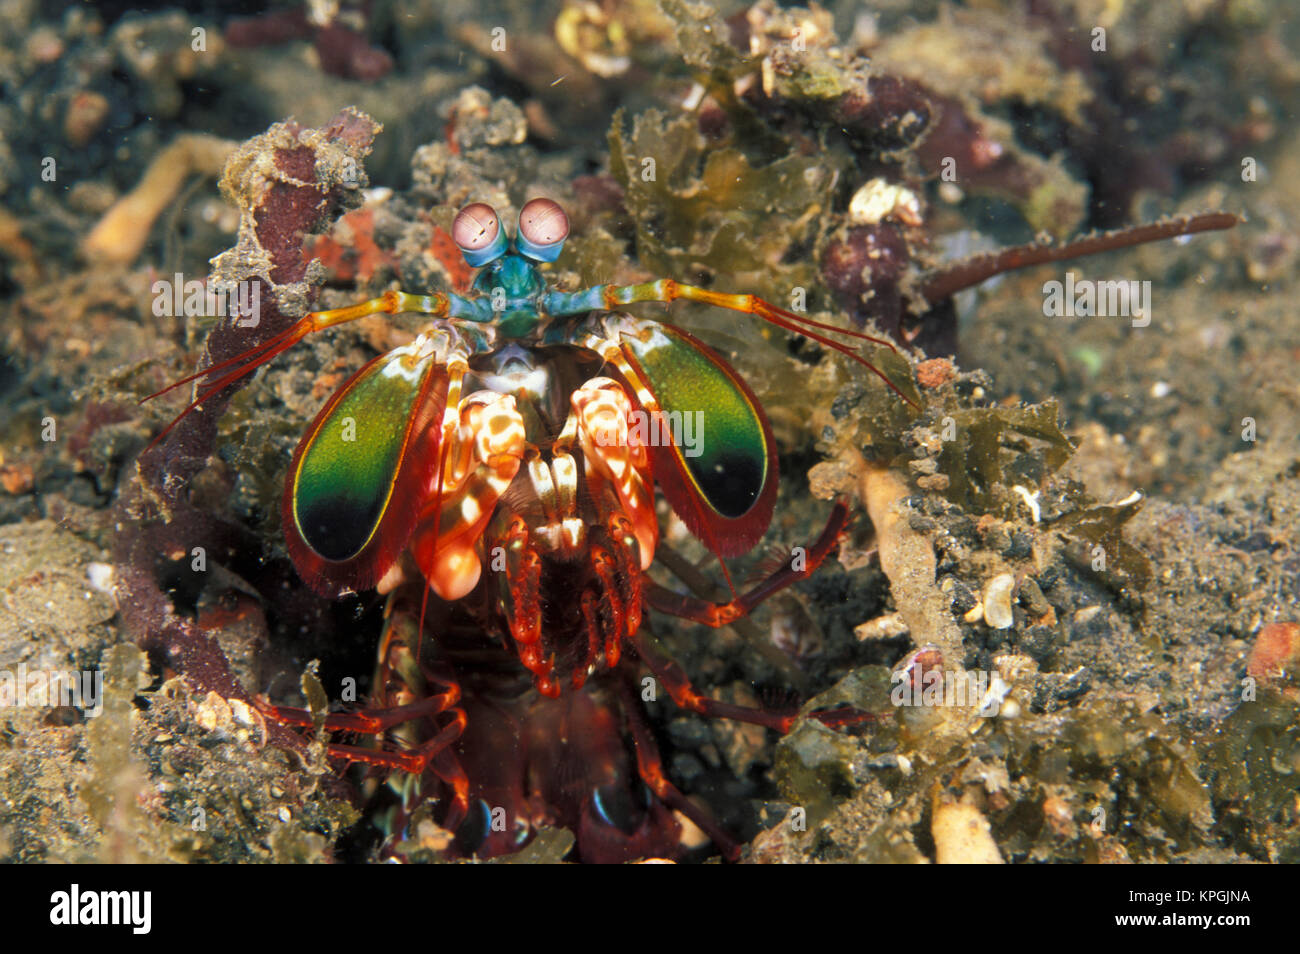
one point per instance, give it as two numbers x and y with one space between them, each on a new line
997 601
879 200
100 576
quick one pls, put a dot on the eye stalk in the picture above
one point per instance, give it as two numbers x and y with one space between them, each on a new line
478 234
543 227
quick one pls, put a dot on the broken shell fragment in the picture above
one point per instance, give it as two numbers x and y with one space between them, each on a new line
962 836
997 601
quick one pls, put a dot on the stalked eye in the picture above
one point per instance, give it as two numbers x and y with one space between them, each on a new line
478 234
543 227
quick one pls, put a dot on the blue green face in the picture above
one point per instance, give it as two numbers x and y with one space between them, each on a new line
512 285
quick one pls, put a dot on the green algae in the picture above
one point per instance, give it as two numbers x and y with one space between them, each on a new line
975 459
1256 763
694 205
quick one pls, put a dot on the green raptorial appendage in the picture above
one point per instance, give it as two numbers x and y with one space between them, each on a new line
345 476
728 463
